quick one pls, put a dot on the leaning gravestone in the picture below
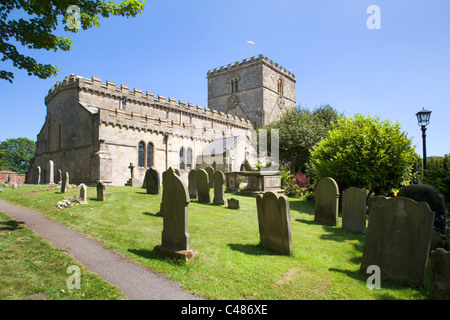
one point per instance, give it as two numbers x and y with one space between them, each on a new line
435 199
398 239
202 182
65 183
354 210
152 181
100 191
274 222
327 201
219 188
210 170
192 186
50 171
83 193
175 235
59 176
440 273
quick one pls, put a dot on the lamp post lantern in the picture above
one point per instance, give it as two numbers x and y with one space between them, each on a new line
423 119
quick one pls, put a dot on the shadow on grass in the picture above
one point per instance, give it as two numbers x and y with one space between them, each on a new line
11 225
154 255
252 249
302 206
152 214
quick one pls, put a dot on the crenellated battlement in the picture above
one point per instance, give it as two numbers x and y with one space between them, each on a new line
109 88
248 62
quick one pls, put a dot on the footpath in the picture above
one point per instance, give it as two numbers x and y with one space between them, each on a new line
134 280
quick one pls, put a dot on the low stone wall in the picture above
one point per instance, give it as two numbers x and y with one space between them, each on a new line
11 177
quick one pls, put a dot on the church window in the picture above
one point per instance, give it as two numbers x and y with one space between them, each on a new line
141 154
167 114
234 85
149 155
182 161
188 159
280 86
123 103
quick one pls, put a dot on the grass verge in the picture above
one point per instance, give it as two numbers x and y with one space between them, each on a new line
230 263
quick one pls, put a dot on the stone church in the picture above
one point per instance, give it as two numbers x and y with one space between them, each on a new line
100 131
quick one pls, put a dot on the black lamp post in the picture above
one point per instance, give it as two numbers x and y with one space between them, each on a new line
423 119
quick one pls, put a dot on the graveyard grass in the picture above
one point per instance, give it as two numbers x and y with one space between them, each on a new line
32 269
230 263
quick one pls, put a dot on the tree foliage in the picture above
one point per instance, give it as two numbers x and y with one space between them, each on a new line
299 130
365 152
38 31
16 154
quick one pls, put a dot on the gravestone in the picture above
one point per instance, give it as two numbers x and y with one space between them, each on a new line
59 176
398 239
354 210
233 203
50 171
440 273
83 193
177 172
175 235
101 191
219 188
327 201
202 182
192 186
210 170
65 183
152 181
274 222
38 175
436 201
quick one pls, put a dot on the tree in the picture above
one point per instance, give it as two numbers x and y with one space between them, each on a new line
365 152
299 130
16 154
38 31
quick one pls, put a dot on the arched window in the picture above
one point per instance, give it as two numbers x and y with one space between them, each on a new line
280 86
149 155
182 162
234 85
189 159
141 154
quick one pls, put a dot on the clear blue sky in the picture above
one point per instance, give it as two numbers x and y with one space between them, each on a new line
392 72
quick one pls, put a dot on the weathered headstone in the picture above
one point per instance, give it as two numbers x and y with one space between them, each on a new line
233 203
436 201
398 239
65 183
152 181
440 273
83 193
327 201
177 172
354 210
274 222
202 182
210 170
175 234
192 186
38 175
50 171
219 188
101 191
59 176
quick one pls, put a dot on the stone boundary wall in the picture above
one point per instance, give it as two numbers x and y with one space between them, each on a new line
11 177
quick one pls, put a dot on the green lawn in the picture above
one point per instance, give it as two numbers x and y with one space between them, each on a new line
32 269
230 263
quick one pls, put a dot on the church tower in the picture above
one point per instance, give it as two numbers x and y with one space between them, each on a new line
258 90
